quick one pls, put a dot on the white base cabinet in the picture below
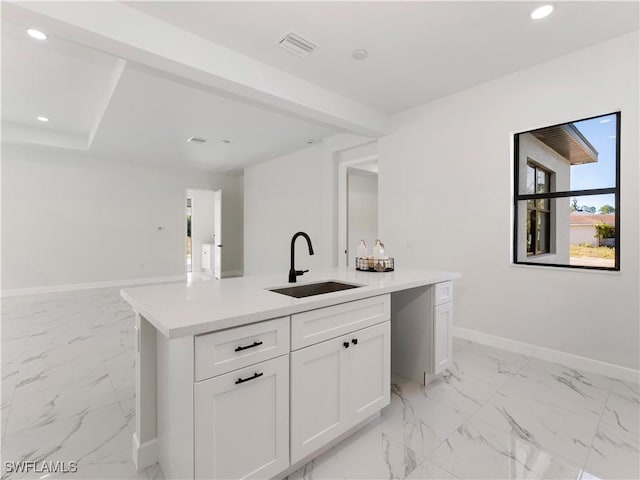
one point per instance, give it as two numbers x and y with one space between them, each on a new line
442 337
258 400
336 384
242 422
421 333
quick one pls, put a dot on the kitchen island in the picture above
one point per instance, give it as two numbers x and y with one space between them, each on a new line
234 380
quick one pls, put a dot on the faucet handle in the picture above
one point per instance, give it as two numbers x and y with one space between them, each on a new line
301 272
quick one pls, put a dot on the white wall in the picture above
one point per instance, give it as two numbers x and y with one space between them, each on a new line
68 218
284 196
362 211
202 226
445 186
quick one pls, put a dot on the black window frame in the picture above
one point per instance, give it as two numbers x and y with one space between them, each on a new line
537 209
517 197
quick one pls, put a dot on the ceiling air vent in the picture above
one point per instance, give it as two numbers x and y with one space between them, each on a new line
296 44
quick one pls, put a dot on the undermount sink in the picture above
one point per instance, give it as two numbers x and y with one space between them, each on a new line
311 289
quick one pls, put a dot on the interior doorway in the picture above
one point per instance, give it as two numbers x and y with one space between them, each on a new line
203 233
357 207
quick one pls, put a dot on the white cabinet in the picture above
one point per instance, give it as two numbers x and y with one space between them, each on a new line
369 372
226 350
442 337
242 422
318 390
315 326
442 327
336 384
422 331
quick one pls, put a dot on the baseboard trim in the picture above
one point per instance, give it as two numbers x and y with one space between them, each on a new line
232 273
548 354
144 455
88 286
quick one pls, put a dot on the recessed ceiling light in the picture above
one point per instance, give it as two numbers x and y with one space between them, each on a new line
196 140
309 142
360 54
541 12
37 34
226 142
43 119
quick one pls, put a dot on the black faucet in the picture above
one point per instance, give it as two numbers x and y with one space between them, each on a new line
293 273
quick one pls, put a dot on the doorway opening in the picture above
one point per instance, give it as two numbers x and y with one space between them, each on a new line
357 206
203 234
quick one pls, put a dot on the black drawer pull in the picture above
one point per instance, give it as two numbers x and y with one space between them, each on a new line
242 380
255 344
354 341
345 344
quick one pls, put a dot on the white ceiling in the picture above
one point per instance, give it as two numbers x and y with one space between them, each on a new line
208 64
57 79
142 116
150 119
418 51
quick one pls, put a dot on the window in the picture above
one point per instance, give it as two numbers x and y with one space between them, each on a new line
538 211
567 194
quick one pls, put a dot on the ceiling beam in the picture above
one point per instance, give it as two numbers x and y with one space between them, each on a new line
127 33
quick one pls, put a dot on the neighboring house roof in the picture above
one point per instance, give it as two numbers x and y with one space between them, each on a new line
591 218
568 142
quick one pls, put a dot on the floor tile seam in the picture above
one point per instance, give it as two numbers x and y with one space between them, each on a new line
434 463
125 414
479 377
115 393
599 387
466 420
444 403
402 442
561 457
591 448
517 395
67 417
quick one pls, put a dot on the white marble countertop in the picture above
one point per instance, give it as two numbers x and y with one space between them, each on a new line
181 309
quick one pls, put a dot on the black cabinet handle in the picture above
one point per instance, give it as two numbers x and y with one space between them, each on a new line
354 341
254 344
242 380
346 344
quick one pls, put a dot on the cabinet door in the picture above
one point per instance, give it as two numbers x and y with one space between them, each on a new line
318 396
442 335
369 371
242 422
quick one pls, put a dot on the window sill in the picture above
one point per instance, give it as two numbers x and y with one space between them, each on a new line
569 269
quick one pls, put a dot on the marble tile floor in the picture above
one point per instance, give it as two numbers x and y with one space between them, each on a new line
68 395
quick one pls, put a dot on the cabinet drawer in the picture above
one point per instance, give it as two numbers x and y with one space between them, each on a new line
443 293
222 352
309 328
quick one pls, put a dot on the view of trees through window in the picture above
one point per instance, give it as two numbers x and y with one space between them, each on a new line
566 203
